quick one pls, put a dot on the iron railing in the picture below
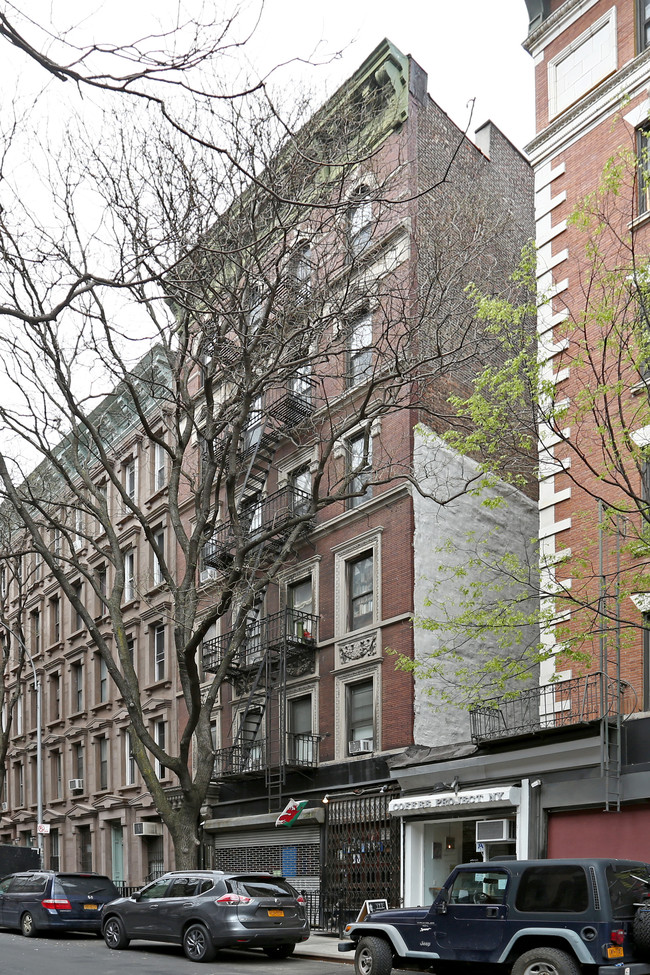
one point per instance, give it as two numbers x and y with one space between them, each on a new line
276 514
253 758
290 628
563 704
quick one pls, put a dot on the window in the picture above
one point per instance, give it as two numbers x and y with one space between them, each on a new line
159 539
130 649
130 479
57 774
360 349
3 582
38 565
643 18
18 715
55 857
302 268
159 466
102 681
254 310
253 431
84 849
56 542
20 785
479 886
129 760
643 154
159 738
54 684
78 528
129 576
55 620
360 221
360 712
301 739
359 464
102 747
77 687
360 591
300 603
553 888
159 652
36 632
77 620
78 760
102 583
300 488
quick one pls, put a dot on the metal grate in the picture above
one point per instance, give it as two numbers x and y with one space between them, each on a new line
290 628
552 706
362 857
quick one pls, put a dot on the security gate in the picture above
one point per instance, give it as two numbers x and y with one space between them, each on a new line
363 859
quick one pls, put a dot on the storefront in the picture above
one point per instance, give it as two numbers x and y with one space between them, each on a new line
442 829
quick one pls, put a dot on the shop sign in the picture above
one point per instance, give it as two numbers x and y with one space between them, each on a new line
452 800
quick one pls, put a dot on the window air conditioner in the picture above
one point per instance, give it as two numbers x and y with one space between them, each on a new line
495 830
76 785
147 829
362 745
5 806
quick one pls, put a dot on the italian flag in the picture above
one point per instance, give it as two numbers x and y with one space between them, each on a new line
291 812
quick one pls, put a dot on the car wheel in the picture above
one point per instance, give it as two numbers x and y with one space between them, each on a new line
197 944
114 934
27 925
279 951
545 961
374 956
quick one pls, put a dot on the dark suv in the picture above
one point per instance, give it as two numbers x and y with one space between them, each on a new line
42 900
204 910
530 917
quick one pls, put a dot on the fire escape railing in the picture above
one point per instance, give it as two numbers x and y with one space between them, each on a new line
290 628
275 513
301 751
579 700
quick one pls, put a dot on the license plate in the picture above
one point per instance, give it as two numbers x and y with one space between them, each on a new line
614 951
90 907
276 913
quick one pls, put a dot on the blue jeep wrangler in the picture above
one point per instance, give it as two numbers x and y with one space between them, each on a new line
530 917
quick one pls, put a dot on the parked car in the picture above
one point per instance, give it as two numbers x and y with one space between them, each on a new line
529 917
204 910
36 901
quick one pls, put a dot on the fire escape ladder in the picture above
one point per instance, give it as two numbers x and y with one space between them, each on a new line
276 676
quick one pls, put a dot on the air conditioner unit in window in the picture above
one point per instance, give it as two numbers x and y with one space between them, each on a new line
5 806
76 785
147 829
495 830
362 745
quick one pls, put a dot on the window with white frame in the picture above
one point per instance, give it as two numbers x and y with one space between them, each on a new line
129 759
102 750
359 349
300 746
360 591
253 431
360 220
38 566
159 652
300 489
78 528
36 631
102 681
55 619
254 309
159 735
302 269
159 539
159 466
129 576
130 479
359 468
57 774
360 715
77 687
78 760
300 603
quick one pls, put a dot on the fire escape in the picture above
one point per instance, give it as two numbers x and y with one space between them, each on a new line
273 647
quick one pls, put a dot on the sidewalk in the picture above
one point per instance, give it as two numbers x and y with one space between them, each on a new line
324 948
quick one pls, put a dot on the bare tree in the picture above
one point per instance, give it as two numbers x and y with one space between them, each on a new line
177 301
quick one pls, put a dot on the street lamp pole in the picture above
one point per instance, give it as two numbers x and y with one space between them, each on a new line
39 742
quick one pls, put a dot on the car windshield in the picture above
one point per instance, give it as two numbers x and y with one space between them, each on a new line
86 886
628 886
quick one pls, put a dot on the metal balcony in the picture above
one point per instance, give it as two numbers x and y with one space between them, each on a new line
238 761
565 704
275 514
290 629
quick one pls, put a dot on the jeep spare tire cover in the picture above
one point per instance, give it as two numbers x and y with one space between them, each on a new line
641 929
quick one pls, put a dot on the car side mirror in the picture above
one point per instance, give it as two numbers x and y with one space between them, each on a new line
441 903
136 896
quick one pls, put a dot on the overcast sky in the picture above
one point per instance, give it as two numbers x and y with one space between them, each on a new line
470 49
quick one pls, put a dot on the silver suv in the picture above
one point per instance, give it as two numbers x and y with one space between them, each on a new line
204 910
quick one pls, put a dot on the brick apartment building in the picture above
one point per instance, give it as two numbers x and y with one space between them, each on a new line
323 544
566 753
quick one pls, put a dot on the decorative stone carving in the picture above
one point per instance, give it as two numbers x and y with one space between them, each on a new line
357 650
